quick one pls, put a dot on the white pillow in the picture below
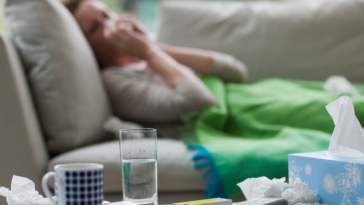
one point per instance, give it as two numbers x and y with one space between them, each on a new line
308 40
63 74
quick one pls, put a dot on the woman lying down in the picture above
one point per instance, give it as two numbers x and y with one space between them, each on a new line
241 130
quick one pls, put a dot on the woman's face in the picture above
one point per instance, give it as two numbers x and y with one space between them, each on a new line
92 15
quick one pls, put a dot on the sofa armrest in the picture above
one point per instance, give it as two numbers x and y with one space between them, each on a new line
22 148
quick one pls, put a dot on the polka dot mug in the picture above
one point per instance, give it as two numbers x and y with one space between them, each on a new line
76 184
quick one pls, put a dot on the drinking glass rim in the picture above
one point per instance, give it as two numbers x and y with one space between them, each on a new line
138 130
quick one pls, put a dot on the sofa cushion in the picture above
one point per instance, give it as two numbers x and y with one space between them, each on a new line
175 167
308 40
63 74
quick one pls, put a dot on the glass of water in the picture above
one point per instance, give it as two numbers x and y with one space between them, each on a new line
138 151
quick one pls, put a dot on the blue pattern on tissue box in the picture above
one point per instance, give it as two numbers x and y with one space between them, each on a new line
336 179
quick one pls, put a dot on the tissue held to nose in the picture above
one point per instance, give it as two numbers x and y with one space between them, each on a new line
112 24
23 193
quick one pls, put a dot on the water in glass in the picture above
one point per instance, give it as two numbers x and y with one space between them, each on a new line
140 180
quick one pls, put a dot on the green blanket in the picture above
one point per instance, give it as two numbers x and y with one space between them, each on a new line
253 127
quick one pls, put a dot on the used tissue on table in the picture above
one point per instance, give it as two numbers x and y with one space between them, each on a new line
336 174
23 193
263 187
300 193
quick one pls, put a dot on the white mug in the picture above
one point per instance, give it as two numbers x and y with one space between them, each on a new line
76 184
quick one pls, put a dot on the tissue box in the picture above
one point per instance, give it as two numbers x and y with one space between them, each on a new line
336 179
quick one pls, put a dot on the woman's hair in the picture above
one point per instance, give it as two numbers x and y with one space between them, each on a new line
72 5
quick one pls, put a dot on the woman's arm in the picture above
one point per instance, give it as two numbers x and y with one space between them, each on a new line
202 62
168 68
137 44
213 63
198 60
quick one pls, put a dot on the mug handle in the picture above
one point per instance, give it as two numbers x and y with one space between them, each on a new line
45 185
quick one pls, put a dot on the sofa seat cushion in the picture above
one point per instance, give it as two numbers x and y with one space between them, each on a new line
175 167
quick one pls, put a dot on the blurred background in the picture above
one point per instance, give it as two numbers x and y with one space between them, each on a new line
144 10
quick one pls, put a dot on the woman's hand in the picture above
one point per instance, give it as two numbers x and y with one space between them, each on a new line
131 42
137 26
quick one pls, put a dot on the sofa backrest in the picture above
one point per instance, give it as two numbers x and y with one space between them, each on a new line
308 40
62 71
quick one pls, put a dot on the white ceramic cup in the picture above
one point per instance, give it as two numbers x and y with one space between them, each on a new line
76 184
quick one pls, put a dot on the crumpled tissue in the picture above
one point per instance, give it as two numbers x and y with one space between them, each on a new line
23 193
263 187
300 193
339 85
348 136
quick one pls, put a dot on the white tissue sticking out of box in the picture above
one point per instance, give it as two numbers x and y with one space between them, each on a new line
23 193
300 193
263 187
339 85
348 137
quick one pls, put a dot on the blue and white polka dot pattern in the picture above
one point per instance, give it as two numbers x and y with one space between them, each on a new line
83 187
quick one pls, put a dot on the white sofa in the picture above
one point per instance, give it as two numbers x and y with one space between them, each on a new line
23 151
260 34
